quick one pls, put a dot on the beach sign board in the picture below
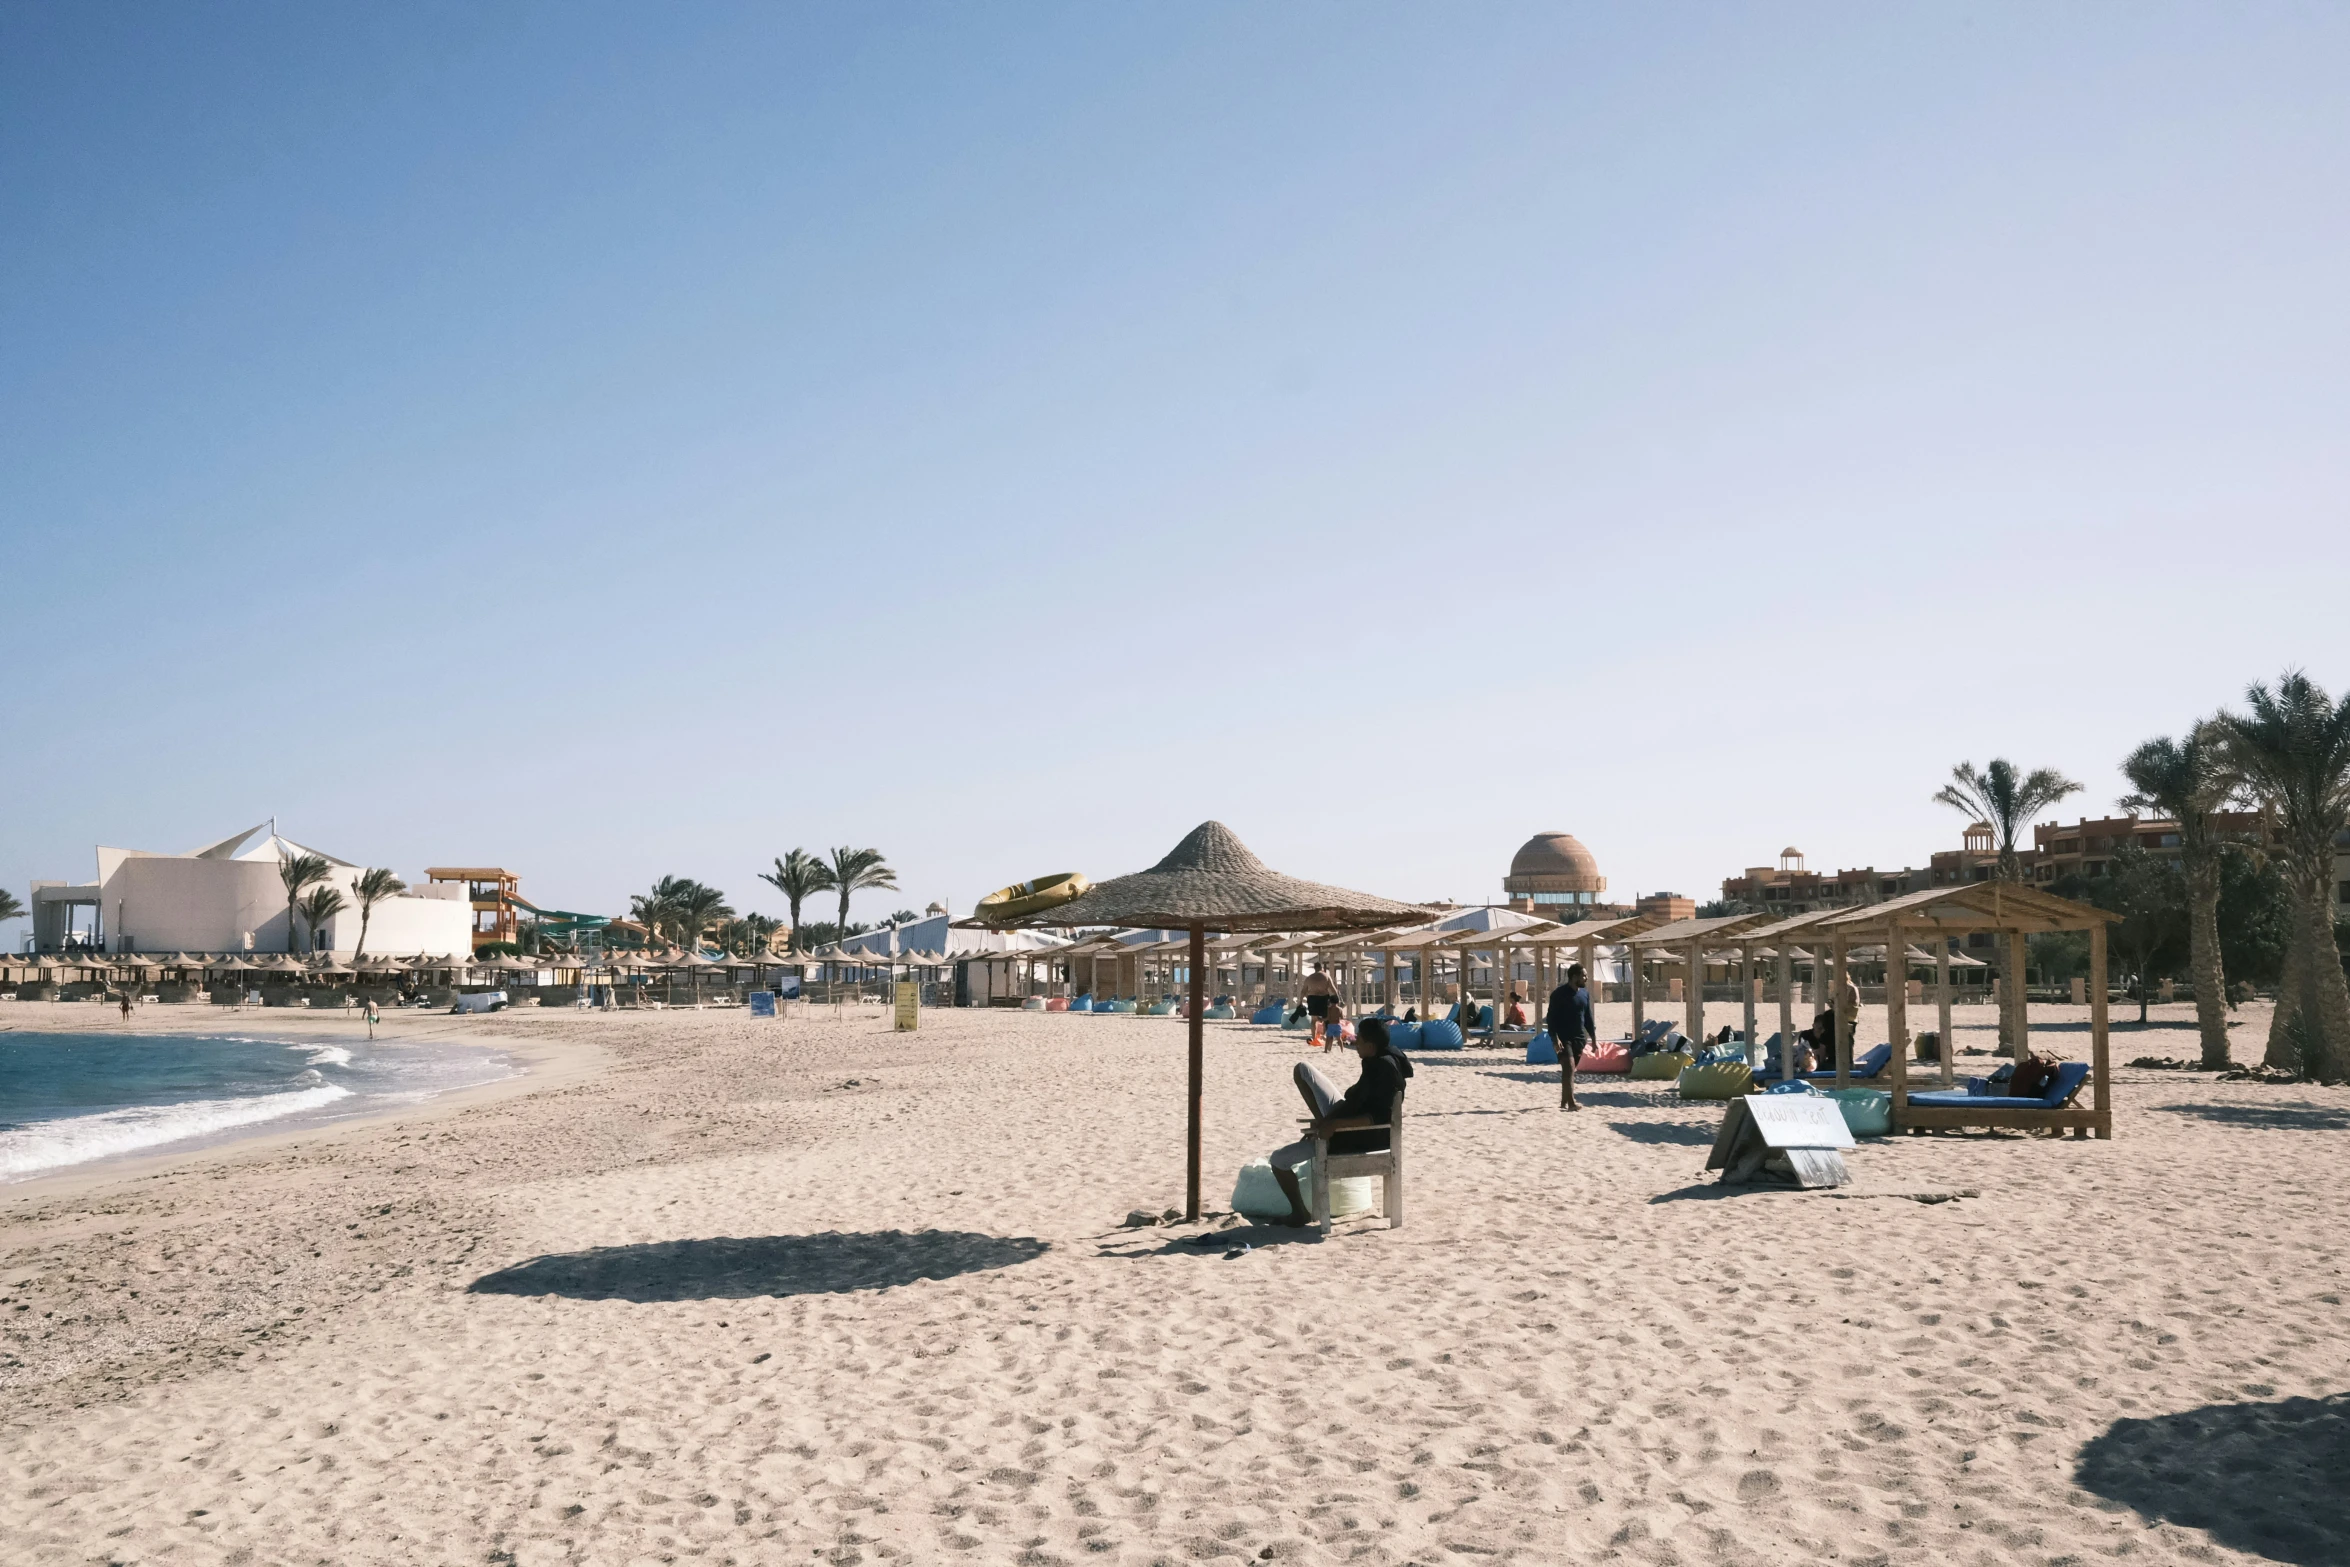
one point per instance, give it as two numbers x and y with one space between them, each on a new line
1788 1137
787 988
909 1005
762 1003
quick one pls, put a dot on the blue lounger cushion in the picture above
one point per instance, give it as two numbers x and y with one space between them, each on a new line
2067 1082
1867 1066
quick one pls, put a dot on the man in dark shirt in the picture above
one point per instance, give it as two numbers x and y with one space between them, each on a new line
1367 1111
1568 1017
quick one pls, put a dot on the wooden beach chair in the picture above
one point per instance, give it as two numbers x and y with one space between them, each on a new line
2054 1110
1327 1166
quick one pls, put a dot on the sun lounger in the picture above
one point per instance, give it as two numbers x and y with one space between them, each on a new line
1652 1034
1864 1068
1977 1094
1976 1105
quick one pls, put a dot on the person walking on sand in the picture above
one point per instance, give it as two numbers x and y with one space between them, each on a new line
1568 1017
1321 1003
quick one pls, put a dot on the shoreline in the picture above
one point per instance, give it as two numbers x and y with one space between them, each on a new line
539 1064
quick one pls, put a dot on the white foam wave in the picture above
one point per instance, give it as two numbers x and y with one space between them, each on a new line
327 1055
52 1145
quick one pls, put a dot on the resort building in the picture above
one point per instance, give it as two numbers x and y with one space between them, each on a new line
1793 888
492 894
228 897
1554 875
2086 847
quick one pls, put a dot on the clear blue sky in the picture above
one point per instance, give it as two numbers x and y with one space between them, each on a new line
617 441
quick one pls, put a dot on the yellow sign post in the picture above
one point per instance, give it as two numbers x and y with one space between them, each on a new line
909 1005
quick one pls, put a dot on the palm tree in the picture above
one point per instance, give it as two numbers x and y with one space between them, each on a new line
299 872
323 904
799 876
657 910
372 887
2293 750
2190 782
858 870
2006 800
10 908
696 910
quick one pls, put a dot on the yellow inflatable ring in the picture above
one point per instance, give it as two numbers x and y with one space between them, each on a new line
1022 899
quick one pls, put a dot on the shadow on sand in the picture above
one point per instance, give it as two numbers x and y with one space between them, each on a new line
1665 1132
726 1267
2261 1478
2276 1118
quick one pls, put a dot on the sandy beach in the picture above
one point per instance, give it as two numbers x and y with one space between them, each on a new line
700 1287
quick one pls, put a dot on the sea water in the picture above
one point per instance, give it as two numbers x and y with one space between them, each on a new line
71 1099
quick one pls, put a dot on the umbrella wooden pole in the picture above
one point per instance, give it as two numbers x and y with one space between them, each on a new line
1199 1006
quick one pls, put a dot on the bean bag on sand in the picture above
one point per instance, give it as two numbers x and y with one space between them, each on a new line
1717 1080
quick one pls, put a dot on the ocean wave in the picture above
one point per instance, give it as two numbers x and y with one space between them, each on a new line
52 1145
327 1055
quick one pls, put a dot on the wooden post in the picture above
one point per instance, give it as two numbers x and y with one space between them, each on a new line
1942 1004
2016 955
1199 1007
2099 1064
1693 999
1632 966
1844 1028
1897 1017
1786 1001
1746 986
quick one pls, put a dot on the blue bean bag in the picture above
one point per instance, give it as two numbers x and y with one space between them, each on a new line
1213 1013
1271 1012
1440 1036
1540 1051
1404 1036
1081 1004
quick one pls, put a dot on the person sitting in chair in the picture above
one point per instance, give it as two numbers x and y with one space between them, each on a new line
1516 1016
1358 1120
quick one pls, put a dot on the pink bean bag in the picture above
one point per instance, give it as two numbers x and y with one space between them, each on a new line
1056 1004
1611 1055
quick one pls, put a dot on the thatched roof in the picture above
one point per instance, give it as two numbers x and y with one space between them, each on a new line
1211 879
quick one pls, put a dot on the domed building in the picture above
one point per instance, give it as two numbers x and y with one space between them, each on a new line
1554 874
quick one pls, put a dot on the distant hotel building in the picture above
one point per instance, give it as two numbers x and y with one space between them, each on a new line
2057 853
228 897
1555 876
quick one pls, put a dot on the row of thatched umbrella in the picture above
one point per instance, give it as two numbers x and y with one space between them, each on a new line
1210 881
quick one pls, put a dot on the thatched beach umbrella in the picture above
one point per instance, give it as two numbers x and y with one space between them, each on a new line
1207 882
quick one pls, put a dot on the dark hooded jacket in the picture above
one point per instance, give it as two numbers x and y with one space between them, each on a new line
1372 1096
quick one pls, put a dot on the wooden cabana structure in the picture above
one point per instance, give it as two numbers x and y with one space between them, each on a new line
2003 910
1690 941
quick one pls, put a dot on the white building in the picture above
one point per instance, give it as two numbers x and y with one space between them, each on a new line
229 898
